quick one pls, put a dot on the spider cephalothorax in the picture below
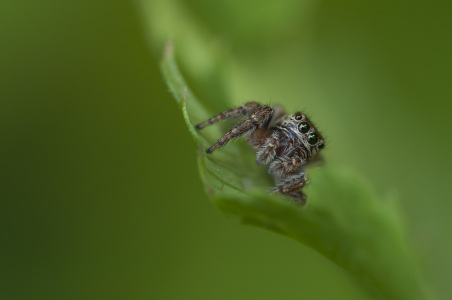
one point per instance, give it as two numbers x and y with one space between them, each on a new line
287 143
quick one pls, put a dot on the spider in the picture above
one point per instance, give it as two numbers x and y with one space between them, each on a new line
286 143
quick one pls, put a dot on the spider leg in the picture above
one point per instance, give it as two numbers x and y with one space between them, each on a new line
291 184
268 151
298 196
243 110
285 165
256 120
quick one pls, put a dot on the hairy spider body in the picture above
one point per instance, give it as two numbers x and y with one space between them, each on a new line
286 143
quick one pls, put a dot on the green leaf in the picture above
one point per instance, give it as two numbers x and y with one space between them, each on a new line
344 219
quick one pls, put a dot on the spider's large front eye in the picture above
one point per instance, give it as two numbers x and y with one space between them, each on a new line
313 139
303 127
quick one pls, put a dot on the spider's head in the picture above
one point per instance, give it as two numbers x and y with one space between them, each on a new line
306 132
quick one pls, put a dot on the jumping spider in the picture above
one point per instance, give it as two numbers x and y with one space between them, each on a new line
287 143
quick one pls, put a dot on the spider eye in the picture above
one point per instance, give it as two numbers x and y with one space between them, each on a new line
313 139
321 145
303 127
298 116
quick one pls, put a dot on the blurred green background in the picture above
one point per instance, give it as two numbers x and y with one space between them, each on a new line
100 197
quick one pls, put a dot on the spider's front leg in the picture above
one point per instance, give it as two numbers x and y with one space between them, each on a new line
256 120
291 187
243 110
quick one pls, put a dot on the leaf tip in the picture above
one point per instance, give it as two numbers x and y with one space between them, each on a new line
168 50
184 96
